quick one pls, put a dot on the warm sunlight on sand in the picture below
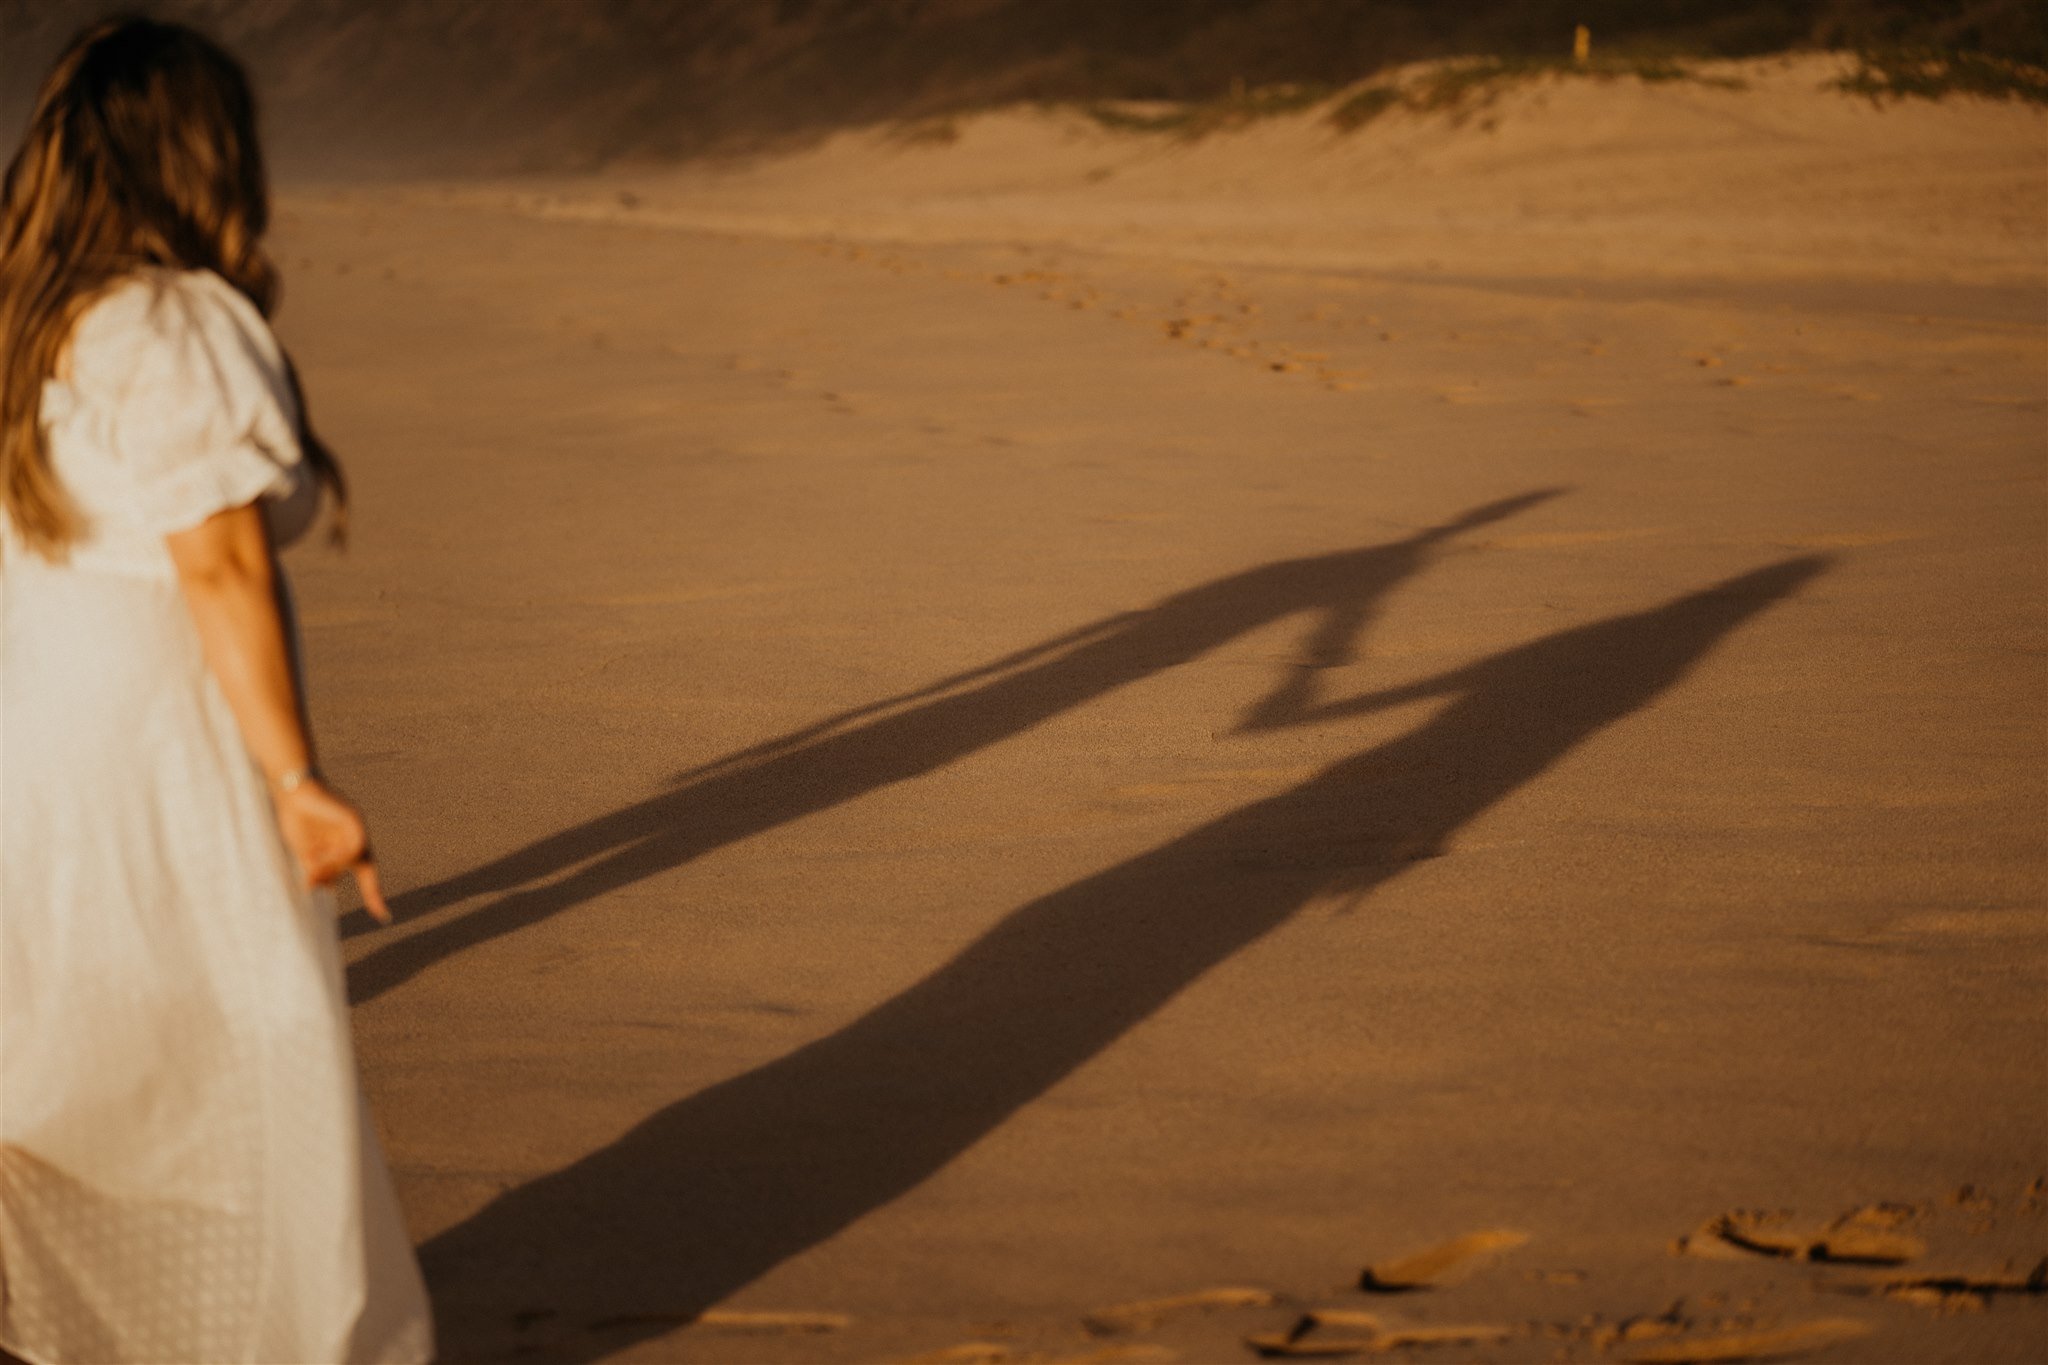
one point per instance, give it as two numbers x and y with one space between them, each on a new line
980 730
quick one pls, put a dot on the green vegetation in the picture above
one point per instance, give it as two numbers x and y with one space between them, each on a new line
1900 74
1199 118
1364 105
1463 88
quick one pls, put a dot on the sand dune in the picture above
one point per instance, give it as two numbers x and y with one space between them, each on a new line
1558 178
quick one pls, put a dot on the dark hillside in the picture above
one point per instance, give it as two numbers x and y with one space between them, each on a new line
436 85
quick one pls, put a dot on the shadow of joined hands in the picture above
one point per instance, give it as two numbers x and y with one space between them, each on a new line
859 751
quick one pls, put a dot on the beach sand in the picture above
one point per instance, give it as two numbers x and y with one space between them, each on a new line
973 731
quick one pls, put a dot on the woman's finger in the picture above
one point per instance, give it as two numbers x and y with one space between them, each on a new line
372 891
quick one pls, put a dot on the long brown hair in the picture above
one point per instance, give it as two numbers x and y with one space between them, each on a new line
141 152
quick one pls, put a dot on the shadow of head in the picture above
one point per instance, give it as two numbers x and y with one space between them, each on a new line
716 1189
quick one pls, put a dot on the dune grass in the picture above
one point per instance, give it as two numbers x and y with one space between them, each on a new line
1462 88
1466 87
1198 118
1929 74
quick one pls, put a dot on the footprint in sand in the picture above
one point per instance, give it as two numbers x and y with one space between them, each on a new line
1956 1291
1973 1199
1876 1239
770 1323
1776 1343
1368 1335
1678 1335
1865 1236
1445 1263
965 1353
1144 1314
997 1353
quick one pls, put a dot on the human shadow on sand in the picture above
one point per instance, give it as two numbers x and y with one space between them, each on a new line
710 1193
860 751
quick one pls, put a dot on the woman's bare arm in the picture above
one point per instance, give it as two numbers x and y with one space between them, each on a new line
228 573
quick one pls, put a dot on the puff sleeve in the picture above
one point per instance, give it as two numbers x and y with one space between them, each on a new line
205 419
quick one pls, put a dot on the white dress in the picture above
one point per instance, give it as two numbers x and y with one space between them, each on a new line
187 1172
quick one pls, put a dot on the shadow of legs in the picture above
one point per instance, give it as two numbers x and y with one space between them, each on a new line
711 1192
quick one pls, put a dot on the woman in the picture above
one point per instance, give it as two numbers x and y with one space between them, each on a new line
186 1170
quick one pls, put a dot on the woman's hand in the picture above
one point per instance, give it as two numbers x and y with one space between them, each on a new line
326 834
228 573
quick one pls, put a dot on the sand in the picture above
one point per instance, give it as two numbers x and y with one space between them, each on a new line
967 744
